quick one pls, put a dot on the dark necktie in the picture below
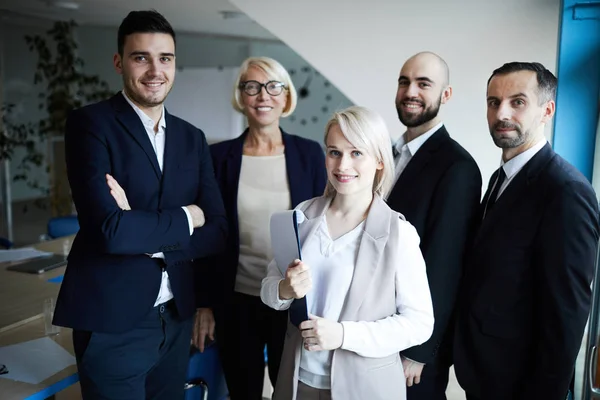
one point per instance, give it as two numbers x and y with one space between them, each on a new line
494 195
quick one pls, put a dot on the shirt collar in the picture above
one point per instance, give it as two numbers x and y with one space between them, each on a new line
515 164
415 144
146 120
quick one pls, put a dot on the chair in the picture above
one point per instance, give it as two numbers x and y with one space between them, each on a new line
205 379
62 226
7 244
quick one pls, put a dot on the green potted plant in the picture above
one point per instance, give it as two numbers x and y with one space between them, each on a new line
66 86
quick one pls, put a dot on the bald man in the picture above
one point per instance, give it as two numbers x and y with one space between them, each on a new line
437 189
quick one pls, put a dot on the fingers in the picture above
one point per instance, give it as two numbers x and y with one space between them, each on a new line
417 379
201 342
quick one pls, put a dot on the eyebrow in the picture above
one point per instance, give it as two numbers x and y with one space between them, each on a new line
420 78
510 97
145 53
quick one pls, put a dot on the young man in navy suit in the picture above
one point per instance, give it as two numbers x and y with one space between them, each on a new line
148 206
526 291
438 188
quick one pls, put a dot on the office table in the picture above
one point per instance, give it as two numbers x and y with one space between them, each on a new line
21 319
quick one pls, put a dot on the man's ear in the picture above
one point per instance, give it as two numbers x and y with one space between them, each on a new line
446 94
118 63
548 111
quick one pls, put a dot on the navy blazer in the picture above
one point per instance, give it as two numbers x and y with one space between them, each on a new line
525 295
110 282
307 177
439 193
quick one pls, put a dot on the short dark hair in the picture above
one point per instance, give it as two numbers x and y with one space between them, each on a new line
546 80
150 21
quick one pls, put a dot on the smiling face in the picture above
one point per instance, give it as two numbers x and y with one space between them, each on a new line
422 89
350 170
148 68
262 110
516 118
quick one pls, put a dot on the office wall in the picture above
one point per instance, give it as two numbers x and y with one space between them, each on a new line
361 46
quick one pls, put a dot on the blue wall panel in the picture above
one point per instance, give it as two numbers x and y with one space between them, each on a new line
578 73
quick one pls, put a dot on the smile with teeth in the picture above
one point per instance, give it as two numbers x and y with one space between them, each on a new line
152 84
412 105
264 108
345 178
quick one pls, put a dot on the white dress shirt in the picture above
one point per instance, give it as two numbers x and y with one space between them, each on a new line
158 144
332 268
408 150
516 164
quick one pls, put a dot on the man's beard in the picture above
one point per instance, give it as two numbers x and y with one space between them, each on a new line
508 142
413 120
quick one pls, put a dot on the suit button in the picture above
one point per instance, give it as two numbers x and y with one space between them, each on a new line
162 308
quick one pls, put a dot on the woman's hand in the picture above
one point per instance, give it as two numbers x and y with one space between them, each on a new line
297 281
322 334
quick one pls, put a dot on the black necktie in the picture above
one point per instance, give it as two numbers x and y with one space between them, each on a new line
494 195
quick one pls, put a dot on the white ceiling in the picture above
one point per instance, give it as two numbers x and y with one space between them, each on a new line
199 16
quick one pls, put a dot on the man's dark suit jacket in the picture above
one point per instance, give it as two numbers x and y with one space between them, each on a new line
307 177
526 291
438 192
110 282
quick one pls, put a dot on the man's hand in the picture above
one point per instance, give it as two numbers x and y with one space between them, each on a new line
322 334
117 193
412 371
197 214
204 325
297 281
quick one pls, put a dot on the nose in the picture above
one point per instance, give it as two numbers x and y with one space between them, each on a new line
412 90
344 163
262 94
504 112
153 67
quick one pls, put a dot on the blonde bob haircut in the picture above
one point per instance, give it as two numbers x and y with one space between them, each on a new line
366 129
275 72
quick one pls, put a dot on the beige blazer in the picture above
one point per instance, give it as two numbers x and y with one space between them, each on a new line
371 297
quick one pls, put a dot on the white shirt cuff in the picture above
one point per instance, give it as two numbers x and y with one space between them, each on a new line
189 218
282 304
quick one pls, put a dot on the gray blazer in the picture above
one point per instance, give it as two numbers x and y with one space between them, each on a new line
371 297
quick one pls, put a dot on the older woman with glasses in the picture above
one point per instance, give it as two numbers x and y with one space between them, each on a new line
262 171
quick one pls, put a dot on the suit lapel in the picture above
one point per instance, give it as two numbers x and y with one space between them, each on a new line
130 120
172 146
418 162
294 174
515 190
370 251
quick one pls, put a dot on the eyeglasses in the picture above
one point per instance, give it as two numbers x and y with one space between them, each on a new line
252 88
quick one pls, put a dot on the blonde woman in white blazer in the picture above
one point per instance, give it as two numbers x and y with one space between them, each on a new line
362 273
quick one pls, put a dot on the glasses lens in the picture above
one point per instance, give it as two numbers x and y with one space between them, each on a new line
252 88
274 88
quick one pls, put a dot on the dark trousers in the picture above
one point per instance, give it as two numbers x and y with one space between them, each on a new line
147 362
243 327
433 385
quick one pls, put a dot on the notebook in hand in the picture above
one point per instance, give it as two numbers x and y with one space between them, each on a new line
40 265
285 243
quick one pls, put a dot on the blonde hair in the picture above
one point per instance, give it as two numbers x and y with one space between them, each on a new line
274 71
364 128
